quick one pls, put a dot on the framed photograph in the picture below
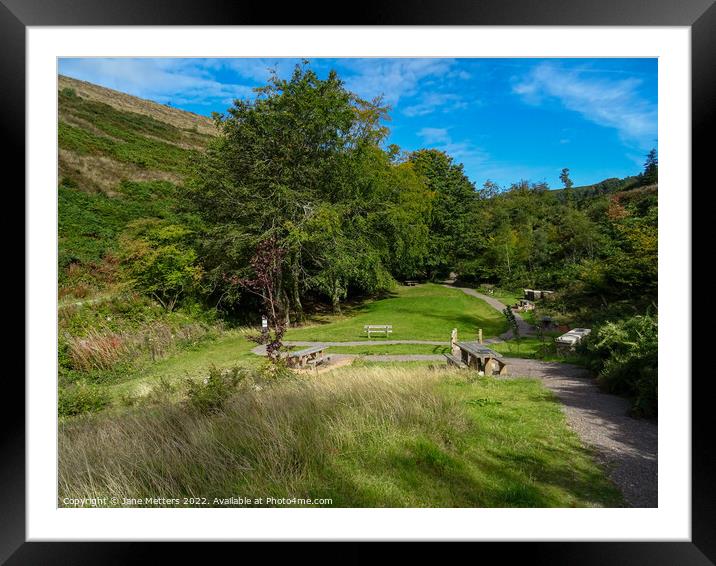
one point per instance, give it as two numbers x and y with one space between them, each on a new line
397 278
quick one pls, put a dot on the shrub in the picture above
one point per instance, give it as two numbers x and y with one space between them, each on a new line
625 355
81 398
274 369
161 393
210 394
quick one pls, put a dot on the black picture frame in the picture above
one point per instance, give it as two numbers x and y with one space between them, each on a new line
699 15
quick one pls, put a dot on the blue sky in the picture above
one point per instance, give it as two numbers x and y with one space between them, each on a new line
504 119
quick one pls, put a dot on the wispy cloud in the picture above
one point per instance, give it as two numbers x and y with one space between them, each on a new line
434 135
462 151
257 70
610 103
195 81
432 101
178 81
392 79
478 161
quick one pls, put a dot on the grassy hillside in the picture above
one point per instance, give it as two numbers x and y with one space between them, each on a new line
607 186
120 159
127 103
107 137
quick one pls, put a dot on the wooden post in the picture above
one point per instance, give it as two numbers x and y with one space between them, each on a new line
479 335
454 350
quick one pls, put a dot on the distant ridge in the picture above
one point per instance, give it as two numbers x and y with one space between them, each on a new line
126 102
107 137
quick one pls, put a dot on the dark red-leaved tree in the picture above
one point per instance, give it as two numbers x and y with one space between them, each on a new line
266 283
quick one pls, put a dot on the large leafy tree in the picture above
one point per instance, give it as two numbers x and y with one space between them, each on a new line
454 232
300 159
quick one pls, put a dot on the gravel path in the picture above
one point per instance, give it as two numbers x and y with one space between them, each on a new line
523 326
626 446
261 350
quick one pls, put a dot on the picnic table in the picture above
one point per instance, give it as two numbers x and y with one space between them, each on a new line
476 356
307 357
411 283
568 341
378 329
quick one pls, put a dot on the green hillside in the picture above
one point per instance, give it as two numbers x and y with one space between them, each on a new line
119 160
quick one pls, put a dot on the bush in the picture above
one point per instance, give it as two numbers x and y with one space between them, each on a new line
209 395
81 398
274 369
625 355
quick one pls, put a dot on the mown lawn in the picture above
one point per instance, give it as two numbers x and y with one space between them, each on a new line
393 349
361 436
424 312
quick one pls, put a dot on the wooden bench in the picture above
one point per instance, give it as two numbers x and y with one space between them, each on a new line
308 356
455 361
378 329
411 283
480 358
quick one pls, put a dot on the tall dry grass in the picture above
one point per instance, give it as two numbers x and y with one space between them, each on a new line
97 350
102 349
269 439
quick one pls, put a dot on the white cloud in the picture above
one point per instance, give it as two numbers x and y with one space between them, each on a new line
178 81
257 70
434 135
610 103
430 102
391 78
462 151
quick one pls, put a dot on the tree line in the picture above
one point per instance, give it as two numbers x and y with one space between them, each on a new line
301 177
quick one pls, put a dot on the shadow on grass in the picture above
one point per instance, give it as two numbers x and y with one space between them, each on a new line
421 473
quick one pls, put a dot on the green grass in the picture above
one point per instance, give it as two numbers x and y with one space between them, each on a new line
144 152
232 348
526 347
424 312
360 436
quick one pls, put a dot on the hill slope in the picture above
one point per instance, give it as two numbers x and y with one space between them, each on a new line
106 137
120 159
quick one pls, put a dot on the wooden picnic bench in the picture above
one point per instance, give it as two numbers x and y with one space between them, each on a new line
480 358
378 329
307 357
411 283
454 361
